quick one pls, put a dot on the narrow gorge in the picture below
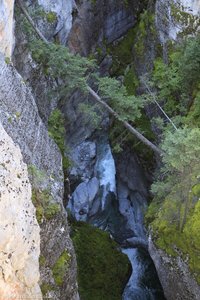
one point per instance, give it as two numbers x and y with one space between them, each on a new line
88 210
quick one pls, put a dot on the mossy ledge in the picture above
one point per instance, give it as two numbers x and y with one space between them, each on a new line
103 270
168 237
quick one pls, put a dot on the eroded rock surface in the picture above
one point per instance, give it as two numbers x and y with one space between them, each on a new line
19 230
174 275
19 116
99 22
6 26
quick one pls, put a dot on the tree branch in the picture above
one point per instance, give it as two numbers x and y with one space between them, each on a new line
30 20
94 95
126 124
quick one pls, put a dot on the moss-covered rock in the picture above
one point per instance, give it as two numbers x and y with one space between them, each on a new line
60 267
102 269
168 237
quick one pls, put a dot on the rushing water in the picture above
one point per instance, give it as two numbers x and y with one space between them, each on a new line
117 206
143 283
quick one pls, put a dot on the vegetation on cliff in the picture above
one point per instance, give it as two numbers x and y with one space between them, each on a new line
102 269
175 211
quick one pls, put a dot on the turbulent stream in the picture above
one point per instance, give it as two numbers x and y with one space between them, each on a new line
114 199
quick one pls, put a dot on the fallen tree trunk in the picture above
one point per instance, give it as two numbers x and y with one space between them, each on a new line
130 128
94 95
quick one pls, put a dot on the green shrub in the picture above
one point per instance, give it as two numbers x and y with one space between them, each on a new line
56 130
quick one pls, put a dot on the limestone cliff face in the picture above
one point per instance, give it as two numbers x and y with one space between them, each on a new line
19 230
20 118
63 16
6 26
168 17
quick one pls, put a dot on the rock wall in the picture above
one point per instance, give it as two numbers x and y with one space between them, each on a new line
6 27
102 22
174 275
168 25
20 118
63 17
19 230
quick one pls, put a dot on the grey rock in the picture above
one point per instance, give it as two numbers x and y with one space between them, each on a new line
175 277
101 21
20 118
41 84
130 171
136 243
63 11
82 199
132 193
93 186
83 156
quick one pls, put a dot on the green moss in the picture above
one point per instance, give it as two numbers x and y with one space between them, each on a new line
56 130
17 114
145 26
93 2
131 81
190 23
151 212
51 210
168 237
51 17
122 53
45 288
135 39
45 209
42 260
10 119
196 190
7 60
102 270
60 268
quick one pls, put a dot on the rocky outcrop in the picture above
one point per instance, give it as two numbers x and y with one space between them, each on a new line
19 230
59 14
54 20
6 27
20 118
175 277
102 22
172 19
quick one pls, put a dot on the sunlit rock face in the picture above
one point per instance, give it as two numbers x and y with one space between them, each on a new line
169 18
63 12
6 27
19 230
20 118
191 6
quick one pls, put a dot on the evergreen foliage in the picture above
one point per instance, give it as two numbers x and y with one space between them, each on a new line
174 212
128 106
58 62
177 82
181 154
56 129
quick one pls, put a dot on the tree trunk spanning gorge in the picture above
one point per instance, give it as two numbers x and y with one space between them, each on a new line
109 172
95 95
